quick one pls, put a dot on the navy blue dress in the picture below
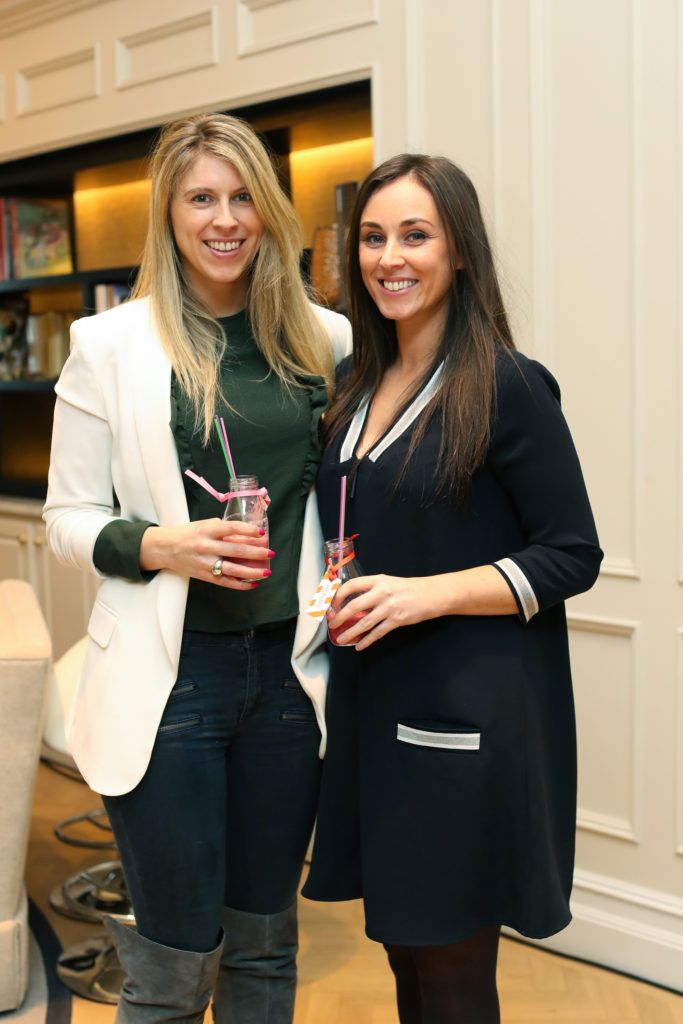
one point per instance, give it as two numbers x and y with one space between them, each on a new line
449 785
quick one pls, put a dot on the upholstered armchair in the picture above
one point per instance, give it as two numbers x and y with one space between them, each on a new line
24 666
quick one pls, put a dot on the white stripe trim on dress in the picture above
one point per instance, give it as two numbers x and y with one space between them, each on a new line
519 582
353 433
401 425
408 417
440 740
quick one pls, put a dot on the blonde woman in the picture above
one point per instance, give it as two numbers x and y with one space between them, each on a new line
199 712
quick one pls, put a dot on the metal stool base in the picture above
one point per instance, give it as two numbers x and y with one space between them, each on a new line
94 892
92 970
96 818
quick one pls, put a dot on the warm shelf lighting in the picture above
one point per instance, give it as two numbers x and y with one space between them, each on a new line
111 223
314 173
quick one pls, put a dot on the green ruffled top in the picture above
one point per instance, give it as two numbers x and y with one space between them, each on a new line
274 435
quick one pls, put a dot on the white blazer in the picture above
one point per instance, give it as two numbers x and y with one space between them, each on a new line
112 429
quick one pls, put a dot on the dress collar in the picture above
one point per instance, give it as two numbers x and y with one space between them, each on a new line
405 420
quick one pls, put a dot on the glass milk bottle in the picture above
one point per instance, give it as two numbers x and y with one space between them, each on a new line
343 563
248 506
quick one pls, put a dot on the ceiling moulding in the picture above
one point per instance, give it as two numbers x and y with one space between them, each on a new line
255 5
19 15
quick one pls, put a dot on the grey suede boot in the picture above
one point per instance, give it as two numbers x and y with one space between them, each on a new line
162 984
257 978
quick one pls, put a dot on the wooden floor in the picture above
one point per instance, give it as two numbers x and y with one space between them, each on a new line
344 978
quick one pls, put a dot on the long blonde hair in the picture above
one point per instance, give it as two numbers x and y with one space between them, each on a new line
285 327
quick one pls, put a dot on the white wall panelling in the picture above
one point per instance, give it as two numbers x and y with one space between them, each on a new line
269 24
69 79
585 247
604 662
628 927
170 48
679 749
19 15
497 78
541 207
140 45
679 289
416 75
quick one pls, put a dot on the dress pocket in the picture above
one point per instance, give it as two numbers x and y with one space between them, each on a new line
439 736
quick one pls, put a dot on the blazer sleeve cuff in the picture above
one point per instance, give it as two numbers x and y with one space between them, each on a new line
117 550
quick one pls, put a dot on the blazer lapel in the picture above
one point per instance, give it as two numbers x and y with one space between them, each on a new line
152 411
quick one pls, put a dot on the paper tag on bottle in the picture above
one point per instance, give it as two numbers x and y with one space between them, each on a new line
322 598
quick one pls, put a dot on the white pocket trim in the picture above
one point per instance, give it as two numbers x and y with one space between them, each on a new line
440 740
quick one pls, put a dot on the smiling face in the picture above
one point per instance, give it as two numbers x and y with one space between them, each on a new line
404 255
217 231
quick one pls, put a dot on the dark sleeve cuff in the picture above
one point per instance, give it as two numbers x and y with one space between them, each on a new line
522 591
117 551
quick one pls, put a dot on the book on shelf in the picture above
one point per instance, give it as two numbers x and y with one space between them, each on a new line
3 269
47 343
108 295
5 242
36 237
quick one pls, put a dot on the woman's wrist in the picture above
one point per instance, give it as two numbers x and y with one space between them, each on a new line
153 546
477 591
444 595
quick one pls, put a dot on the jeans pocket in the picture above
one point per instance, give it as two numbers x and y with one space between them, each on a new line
179 725
294 685
302 716
183 688
299 707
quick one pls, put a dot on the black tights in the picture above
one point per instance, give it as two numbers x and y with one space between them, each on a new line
453 984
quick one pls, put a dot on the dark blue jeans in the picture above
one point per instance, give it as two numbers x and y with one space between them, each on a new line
224 812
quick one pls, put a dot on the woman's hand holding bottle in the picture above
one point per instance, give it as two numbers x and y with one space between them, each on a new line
384 602
387 602
194 549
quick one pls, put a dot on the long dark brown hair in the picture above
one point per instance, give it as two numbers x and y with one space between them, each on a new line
476 325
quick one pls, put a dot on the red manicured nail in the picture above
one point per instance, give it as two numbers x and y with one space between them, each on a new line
271 554
262 532
267 572
254 585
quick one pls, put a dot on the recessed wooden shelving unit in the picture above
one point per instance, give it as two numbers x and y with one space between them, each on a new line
317 140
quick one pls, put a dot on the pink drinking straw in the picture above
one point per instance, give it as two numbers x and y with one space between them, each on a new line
342 513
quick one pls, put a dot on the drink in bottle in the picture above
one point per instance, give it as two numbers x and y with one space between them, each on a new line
343 563
248 506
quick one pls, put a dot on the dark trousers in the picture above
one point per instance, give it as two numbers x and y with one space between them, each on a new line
225 810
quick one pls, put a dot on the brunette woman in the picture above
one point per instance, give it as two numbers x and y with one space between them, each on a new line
448 797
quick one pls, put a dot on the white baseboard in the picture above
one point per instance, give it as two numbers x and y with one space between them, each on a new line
625 927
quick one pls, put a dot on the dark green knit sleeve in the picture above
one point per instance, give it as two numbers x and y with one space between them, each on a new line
117 551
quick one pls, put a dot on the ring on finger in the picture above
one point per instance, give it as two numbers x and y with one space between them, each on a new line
217 567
